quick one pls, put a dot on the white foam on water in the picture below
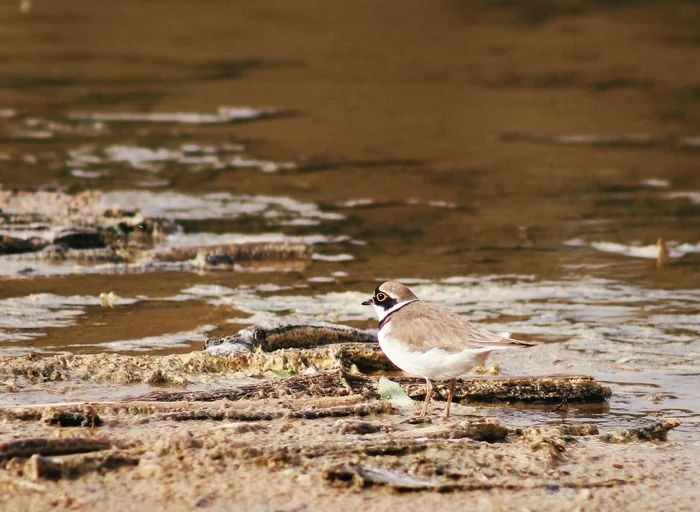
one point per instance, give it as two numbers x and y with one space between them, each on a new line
87 207
138 156
25 315
355 203
211 239
212 206
618 332
208 290
692 196
145 158
160 342
224 114
90 175
600 314
676 249
332 257
300 222
271 288
434 204
333 306
656 183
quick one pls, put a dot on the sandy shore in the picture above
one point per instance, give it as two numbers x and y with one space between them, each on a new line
326 441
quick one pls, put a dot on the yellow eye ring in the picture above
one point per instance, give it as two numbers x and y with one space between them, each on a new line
381 297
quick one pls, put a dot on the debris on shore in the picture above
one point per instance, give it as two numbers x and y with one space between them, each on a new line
55 226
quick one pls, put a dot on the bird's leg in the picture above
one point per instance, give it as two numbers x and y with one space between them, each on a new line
453 383
428 395
564 405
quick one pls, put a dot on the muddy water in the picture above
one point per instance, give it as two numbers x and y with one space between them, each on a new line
516 162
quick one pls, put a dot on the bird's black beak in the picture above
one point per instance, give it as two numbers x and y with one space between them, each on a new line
368 302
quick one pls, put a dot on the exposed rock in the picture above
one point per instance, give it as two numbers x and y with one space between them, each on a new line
479 429
85 418
277 335
357 427
656 432
492 389
578 429
14 245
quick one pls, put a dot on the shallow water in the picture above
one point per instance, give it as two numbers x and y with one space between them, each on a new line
513 163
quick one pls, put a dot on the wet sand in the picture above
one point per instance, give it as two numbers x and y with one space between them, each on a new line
338 447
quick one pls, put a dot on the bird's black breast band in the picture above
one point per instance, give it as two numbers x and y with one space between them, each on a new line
386 319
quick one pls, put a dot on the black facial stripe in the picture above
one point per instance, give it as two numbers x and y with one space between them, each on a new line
387 304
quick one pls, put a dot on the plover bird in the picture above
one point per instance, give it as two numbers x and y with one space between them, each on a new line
431 341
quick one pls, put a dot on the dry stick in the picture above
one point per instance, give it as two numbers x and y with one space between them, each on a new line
219 415
342 411
404 482
50 446
174 411
547 389
24 484
72 466
393 444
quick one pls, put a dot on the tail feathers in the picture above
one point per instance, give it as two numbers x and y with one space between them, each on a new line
523 344
517 343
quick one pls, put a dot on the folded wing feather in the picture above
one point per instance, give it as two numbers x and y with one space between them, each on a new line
423 326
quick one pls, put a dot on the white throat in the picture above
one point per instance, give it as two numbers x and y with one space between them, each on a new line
382 313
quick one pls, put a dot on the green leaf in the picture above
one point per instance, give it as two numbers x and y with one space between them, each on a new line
393 393
284 372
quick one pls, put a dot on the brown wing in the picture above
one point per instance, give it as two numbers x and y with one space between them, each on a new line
422 326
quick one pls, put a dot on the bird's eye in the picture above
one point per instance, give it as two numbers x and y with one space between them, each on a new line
381 297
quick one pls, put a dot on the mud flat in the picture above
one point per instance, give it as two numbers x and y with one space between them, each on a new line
319 440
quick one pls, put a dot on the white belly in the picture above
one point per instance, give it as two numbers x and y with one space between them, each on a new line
435 363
